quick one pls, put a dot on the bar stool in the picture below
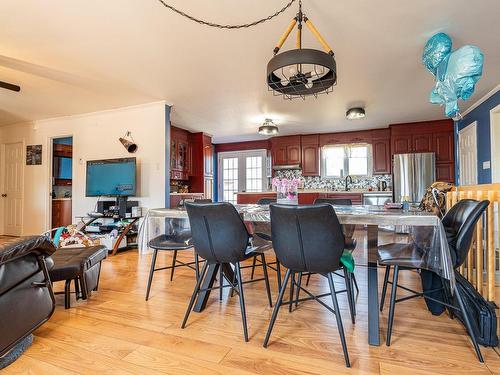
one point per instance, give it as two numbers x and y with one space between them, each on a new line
180 240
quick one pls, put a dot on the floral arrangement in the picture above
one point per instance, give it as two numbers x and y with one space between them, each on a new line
286 188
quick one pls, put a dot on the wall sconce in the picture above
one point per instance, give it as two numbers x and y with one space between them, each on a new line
128 142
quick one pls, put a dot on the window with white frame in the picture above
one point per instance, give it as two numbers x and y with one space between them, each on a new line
338 161
241 171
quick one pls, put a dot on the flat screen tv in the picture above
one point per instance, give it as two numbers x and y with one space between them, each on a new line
111 177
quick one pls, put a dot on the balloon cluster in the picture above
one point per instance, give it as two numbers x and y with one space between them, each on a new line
456 72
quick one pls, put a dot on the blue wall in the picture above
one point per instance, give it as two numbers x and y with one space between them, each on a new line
481 115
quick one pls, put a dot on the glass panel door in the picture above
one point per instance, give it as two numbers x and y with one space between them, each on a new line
241 171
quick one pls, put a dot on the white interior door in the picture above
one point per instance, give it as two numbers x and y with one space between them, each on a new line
12 194
467 154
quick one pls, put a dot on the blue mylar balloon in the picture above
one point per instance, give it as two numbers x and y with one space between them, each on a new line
456 72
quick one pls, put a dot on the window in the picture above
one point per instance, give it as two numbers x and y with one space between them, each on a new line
241 171
338 161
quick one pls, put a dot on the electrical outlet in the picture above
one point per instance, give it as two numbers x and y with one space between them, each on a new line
486 164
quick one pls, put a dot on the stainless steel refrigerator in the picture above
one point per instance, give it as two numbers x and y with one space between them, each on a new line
412 174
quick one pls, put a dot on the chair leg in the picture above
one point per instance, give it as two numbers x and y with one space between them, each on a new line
196 265
392 305
221 282
98 277
278 273
151 272
174 258
77 288
384 287
468 324
292 284
308 278
254 262
355 283
266 279
276 309
242 301
67 294
299 282
195 293
350 295
339 319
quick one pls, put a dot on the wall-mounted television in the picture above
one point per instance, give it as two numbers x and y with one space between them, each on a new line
111 177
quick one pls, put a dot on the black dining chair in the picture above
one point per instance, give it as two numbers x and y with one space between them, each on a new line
177 239
262 231
309 239
459 223
348 229
221 238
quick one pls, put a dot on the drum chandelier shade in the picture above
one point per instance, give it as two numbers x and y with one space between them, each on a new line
301 72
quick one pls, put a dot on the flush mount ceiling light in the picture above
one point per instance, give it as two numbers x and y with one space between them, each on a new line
356 113
301 72
268 128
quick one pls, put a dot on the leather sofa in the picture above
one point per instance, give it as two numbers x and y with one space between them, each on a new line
26 295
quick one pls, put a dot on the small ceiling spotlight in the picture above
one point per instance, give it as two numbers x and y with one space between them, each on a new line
356 113
268 128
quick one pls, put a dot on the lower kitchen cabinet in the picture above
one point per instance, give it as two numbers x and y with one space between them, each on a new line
61 213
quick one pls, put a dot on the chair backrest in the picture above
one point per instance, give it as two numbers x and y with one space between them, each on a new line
202 200
218 232
307 238
459 223
334 201
266 200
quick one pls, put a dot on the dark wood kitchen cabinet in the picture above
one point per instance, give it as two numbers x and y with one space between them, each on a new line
61 213
179 150
381 149
286 150
428 136
202 167
310 155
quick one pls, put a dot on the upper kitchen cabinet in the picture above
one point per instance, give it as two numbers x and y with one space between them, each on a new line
286 150
179 151
381 148
345 137
310 155
208 156
429 136
444 147
200 159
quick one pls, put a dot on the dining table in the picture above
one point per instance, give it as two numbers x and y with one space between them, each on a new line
422 229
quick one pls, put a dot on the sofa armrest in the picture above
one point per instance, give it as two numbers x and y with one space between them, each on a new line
19 247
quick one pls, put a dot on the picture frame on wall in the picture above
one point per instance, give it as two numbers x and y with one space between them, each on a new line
34 155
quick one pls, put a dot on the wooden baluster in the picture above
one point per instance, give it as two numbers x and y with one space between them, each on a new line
479 250
490 261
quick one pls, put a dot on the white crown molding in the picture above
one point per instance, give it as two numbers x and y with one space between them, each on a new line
482 100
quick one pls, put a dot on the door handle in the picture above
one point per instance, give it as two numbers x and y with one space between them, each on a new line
4 195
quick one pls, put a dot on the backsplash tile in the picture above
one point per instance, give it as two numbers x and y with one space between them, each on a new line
336 183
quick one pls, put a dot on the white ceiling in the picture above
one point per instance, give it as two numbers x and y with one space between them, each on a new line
73 57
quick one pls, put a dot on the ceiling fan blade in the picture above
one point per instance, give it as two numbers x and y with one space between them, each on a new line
9 86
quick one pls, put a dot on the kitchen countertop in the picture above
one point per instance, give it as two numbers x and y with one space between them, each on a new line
326 191
61 199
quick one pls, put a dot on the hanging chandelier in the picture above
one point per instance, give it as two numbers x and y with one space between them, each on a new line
301 72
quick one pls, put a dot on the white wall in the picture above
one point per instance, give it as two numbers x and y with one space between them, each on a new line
95 136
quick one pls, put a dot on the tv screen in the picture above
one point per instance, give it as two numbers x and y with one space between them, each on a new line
111 177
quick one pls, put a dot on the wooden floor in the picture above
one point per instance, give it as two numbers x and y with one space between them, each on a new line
117 332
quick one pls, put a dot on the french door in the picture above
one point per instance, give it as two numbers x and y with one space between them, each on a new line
241 171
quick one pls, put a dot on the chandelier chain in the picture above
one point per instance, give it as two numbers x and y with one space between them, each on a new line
221 26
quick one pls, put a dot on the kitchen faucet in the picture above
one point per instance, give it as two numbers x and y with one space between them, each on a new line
347 180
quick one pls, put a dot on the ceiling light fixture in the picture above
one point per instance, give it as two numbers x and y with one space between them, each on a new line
268 128
356 113
301 72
